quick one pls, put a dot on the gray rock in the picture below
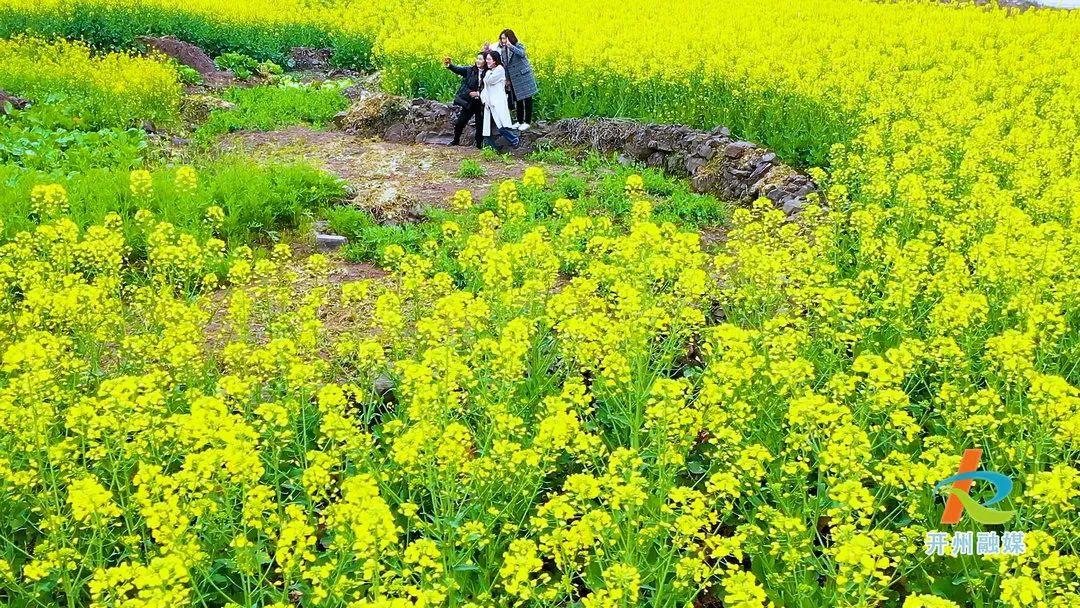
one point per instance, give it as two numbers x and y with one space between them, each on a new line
434 137
329 242
354 93
737 148
415 214
705 151
792 205
384 388
14 101
761 170
396 133
694 163
636 150
305 58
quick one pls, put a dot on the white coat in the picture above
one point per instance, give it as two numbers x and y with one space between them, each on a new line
494 97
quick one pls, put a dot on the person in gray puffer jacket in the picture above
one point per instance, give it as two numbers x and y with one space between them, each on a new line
519 76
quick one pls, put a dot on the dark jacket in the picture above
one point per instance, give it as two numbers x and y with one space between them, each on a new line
471 80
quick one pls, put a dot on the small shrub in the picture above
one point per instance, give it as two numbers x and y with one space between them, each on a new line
695 209
471 168
571 186
547 154
349 221
492 154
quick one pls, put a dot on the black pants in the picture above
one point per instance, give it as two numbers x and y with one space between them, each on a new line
524 110
475 108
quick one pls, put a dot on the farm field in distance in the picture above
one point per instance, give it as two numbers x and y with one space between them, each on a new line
260 349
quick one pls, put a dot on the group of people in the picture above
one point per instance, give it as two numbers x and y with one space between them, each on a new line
501 78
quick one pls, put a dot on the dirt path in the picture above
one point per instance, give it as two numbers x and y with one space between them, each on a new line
388 179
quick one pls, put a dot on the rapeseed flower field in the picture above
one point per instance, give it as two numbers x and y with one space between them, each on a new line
552 400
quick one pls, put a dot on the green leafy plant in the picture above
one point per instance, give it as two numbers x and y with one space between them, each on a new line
471 168
348 221
552 155
187 74
242 66
570 185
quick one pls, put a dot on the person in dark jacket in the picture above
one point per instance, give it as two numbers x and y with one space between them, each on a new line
468 98
519 73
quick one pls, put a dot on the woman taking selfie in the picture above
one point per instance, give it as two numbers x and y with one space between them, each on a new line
495 107
468 96
519 72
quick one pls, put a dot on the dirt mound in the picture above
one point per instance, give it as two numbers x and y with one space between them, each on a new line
18 103
188 54
372 114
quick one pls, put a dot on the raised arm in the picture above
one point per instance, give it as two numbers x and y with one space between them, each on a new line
460 70
518 49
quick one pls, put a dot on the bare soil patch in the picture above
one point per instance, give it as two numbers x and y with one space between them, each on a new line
391 180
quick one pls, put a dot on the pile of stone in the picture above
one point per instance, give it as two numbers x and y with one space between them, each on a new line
714 161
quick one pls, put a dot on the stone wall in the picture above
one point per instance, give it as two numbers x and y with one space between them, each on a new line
714 161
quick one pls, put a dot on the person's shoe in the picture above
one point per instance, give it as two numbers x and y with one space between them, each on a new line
515 143
523 127
516 126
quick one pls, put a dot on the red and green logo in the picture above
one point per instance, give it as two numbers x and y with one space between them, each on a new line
960 499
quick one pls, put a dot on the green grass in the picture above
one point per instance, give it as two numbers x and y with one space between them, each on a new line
269 107
550 155
492 154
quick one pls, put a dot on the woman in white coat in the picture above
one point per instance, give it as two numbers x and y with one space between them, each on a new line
495 105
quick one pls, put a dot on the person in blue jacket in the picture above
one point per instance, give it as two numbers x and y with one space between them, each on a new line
519 75
468 97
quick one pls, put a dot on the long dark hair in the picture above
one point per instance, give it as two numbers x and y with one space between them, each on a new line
497 57
510 35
